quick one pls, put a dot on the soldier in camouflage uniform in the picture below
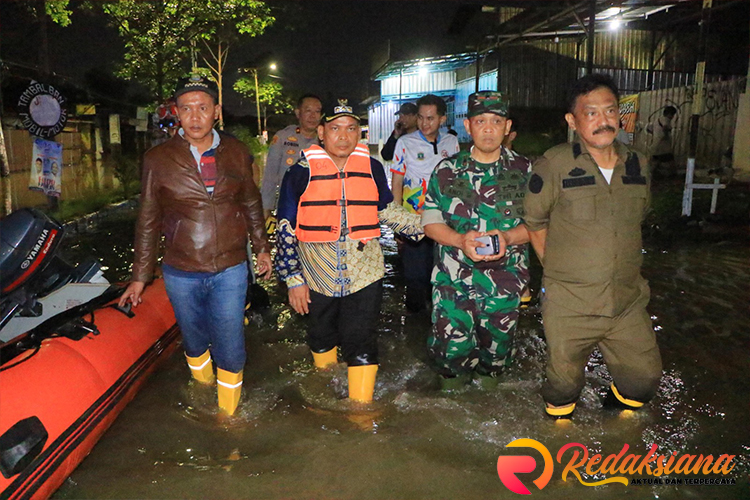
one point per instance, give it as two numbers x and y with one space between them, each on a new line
476 297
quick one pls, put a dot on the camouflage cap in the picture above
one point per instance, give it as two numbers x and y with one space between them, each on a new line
487 101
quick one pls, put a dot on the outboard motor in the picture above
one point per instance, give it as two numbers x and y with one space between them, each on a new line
31 273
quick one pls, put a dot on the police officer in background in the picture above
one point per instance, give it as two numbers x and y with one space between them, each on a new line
286 147
584 210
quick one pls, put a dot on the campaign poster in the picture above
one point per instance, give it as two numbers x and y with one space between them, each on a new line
628 114
46 167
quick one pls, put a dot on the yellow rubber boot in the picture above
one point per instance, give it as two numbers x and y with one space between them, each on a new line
362 382
202 368
325 359
230 389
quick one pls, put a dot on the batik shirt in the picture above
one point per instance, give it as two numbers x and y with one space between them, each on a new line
342 267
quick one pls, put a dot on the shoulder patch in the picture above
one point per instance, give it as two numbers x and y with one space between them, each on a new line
577 172
274 140
536 184
632 165
633 170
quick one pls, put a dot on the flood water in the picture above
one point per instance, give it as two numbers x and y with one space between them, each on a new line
296 436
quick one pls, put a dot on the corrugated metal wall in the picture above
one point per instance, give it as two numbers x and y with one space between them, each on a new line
717 120
416 85
534 78
380 118
625 49
487 81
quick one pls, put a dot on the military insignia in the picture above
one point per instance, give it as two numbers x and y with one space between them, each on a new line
536 183
461 189
343 107
420 156
577 172
274 140
576 150
507 212
290 151
290 161
444 153
291 138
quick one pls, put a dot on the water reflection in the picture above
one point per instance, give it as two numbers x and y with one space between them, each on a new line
297 436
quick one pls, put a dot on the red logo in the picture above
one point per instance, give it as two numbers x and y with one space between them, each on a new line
510 465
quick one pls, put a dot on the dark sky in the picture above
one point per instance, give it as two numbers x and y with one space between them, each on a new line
326 47
330 47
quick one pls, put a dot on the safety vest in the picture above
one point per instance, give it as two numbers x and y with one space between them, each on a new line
319 210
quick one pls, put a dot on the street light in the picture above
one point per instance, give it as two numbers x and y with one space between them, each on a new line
254 71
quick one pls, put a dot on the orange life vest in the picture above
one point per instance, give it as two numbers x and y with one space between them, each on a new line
319 210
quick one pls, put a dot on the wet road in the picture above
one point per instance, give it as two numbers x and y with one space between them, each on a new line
295 436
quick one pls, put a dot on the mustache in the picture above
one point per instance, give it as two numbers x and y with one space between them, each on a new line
605 128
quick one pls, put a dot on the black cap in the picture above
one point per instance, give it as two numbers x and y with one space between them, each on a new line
197 83
407 108
342 109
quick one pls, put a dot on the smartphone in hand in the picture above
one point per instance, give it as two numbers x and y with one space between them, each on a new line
491 244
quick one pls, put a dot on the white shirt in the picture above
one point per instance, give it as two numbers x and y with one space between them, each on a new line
415 158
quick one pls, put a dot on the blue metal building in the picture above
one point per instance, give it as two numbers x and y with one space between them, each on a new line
405 81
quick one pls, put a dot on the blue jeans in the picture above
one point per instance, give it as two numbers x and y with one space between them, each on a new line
209 309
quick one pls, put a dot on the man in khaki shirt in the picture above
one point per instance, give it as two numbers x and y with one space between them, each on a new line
584 209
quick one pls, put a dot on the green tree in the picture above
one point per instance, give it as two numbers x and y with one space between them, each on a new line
158 34
271 96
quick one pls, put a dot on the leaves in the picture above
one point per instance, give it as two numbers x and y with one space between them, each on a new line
158 33
270 93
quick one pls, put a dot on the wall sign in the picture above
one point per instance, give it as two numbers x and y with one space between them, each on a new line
42 110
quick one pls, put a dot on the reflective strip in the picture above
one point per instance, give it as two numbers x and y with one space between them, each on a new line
196 368
622 399
559 412
201 366
230 386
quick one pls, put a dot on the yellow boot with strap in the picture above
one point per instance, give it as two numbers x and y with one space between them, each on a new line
201 368
362 382
229 389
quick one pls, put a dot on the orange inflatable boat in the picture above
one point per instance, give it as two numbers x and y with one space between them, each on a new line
69 361
72 390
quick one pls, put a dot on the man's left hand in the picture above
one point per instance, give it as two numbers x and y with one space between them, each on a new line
264 268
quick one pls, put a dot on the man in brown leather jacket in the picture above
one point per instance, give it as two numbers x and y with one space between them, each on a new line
197 190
